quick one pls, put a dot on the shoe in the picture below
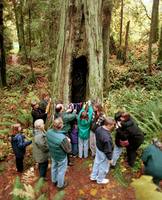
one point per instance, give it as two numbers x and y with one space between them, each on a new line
55 183
70 164
63 187
104 181
112 166
92 179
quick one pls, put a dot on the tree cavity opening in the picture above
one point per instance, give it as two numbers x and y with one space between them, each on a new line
79 76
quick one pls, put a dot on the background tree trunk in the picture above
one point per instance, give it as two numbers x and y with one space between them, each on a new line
121 23
30 41
81 34
155 21
2 52
107 7
126 42
160 49
153 30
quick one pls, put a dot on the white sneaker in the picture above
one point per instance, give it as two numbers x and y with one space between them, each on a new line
104 181
92 179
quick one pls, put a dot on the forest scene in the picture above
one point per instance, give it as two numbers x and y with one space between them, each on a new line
81 99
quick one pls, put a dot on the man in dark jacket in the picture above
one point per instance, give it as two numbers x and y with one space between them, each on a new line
104 149
59 146
128 135
37 112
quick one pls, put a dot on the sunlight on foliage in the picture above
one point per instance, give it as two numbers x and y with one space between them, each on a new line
145 189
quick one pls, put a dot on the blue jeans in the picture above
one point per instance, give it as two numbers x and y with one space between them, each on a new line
74 149
101 166
116 154
83 147
58 170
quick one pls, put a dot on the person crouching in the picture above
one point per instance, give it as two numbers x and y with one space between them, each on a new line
104 149
59 145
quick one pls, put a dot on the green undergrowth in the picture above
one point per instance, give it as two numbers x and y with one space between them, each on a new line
145 107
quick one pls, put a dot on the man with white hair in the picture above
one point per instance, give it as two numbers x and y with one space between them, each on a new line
59 146
40 148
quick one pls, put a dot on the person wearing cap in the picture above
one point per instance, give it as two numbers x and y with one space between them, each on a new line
40 147
104 149
152 160
19 146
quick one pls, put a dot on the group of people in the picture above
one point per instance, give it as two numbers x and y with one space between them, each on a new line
74 130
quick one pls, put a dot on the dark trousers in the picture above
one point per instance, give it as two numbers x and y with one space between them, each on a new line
131 156
43 168
19 164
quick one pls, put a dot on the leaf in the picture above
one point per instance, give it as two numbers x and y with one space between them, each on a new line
93 192
81 192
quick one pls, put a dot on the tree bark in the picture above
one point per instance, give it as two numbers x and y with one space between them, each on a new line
2 51
81 33
121 22
155 21
126 42
160 49
106 10
30 42
153 31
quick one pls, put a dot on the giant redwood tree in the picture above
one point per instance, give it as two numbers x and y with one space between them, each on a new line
81 69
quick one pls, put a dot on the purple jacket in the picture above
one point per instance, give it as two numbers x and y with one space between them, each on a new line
74 136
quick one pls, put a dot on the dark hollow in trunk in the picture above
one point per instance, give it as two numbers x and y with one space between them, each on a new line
79 77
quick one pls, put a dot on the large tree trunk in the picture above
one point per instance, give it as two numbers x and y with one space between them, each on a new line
80 39
2 51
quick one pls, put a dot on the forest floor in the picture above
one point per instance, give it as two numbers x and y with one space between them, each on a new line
15 107
80 187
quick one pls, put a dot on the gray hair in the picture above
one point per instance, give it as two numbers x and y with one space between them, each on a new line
39 124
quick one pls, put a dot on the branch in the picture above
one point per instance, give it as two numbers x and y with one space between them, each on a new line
145 9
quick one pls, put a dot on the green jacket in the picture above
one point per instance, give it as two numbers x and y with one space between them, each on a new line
54 140
67 118
152 158
40 148
84 125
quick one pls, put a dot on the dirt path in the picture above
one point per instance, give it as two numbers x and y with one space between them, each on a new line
79 188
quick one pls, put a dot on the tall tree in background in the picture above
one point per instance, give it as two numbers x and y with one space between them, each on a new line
106 19
121 23
126 42
2 51
80 36
160 49
19 18
153 30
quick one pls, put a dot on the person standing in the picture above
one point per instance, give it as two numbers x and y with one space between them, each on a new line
40 148
19 146
104 149
84 123
59 146
97 121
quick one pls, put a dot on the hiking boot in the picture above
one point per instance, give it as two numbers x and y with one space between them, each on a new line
104 181
63 187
